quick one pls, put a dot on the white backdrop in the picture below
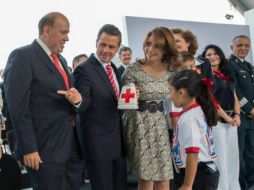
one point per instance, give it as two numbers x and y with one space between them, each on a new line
136 29
19 19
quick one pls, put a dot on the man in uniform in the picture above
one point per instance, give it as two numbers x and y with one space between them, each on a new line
243 73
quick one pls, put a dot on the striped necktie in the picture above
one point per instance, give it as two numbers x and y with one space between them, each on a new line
111 78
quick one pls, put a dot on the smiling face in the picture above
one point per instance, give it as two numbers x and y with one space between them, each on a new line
213 57
106 47
125 57
154 49
241 47
181 44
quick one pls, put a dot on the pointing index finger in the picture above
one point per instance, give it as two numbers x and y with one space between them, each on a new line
63 92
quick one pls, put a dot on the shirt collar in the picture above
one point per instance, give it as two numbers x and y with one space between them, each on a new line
124 66
44 46
189 108
240 59
103 64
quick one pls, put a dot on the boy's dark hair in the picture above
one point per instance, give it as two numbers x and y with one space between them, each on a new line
193 83
186 56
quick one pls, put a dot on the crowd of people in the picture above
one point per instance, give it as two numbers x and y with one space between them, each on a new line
66 120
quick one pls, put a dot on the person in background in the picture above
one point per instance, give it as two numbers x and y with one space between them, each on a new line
187 41
193 143
78 59
99 84
1 141
42 103
4 108
225 132
125 55
243 72
146 131
1 124
187 60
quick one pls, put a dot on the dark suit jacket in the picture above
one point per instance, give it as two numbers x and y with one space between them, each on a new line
42 119
244 76
121 70
99 115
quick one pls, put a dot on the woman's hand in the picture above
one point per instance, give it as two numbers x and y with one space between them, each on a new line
236 120
229 119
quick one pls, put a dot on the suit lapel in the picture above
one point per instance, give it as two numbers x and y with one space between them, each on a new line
48 62
244 66
103 75
118 77
66 69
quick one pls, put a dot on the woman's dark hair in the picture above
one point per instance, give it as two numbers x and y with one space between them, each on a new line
196 88
224 65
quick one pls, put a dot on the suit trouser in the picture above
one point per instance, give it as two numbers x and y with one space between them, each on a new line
226 148
59 176
107 174
246 152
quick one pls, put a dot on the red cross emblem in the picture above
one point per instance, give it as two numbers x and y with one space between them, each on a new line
127 95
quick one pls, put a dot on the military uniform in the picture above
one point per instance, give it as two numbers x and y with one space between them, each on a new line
243 73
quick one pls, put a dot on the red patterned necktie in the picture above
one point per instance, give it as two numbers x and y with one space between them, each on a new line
111 78
61 71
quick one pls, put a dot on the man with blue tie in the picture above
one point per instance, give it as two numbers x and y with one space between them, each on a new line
98 81
42 103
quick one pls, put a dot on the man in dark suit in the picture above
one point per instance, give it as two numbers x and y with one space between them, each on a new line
125 55
78 59
42 105
244 76
98 81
